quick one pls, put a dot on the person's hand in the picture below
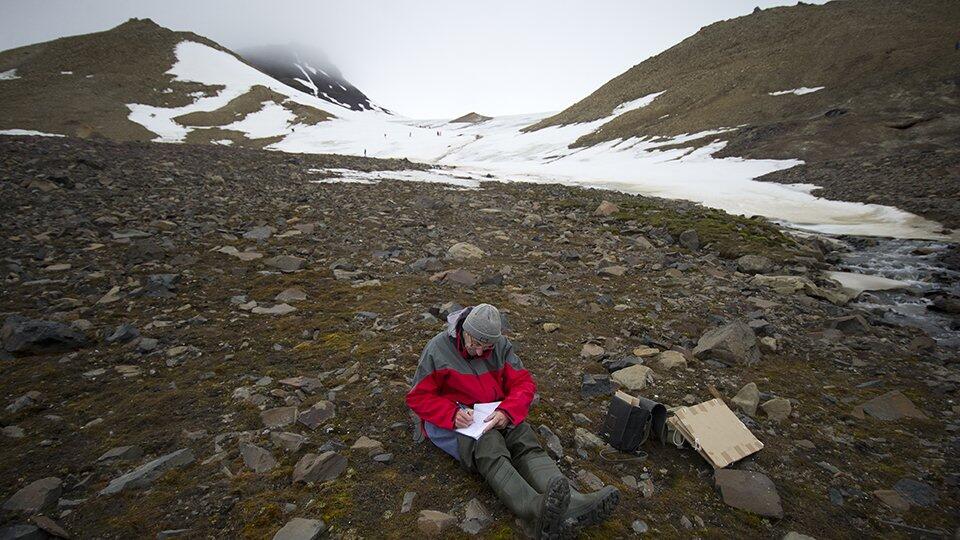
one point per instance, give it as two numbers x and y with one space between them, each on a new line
464 418
497 420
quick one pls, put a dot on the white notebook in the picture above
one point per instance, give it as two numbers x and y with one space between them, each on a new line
480 411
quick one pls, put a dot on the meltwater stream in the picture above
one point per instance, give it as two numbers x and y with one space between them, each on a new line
918 265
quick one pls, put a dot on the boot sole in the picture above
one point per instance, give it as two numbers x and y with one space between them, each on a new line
555 501
601 511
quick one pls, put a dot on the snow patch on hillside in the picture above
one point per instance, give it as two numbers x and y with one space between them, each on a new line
797 91
28 132
9 75
636 104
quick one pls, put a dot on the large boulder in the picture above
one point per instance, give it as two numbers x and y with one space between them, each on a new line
734 343
633 378
21 335
748 398
462 251
145 474
301 529
754 264
35 496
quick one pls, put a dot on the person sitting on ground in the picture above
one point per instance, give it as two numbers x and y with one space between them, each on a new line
472 362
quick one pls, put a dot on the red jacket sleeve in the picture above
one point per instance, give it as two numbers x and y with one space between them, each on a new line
424 398
519 387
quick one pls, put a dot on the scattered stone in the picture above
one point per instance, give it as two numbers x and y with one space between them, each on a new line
550 327
366 444
292 294
668 360
122 453
793 284
475 518
310 385
279 309
287 440
50 526
639 526
21 335
633 378
35 496
749 491
589 480
145 474
259 233
591 350
257 458
586 440
594 385
754 264
690 239
850 325
146 345
279 417
173 533
285 263
793 535
893 499
748 398
463 251
777 409
313 468
123 334
732 344
407 504
685 522
456 276
890 406
613 270
645 352
552 442
317 414
647 488
606 208
916 492
616 364
301 529
433 523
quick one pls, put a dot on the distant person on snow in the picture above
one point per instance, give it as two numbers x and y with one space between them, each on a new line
472 362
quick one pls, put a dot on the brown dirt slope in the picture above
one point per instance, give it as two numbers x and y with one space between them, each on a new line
889 68
470 118
104 72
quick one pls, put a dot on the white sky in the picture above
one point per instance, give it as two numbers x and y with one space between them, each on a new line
426 58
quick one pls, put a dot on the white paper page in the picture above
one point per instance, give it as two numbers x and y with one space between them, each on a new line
480 411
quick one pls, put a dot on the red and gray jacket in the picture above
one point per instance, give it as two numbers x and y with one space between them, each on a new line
446 376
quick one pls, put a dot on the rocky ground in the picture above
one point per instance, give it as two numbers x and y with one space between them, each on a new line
200 342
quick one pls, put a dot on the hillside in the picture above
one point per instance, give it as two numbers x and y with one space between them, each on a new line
94 85
847 86
808 82
309 71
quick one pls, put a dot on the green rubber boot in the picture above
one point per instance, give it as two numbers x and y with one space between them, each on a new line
585 509
542 513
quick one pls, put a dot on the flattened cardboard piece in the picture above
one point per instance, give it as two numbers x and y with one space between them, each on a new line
715 432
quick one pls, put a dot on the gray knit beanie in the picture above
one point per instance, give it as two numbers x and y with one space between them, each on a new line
483 323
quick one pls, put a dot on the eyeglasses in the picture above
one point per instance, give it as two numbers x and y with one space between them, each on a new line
476 344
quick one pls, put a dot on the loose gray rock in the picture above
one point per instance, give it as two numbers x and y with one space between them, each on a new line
122 453
690 239
749 491
317 414
552 442
433 523
319 468
462 251
259 233
301 529
476 518
21 335
285 263
145 474
407 504
123 334
35 496
256 458
288 441
916 492
732 344
292 294
777 409
279 417
633 378
22 531
748 398
754 264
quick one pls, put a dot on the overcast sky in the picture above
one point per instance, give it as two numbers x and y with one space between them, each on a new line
424 58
